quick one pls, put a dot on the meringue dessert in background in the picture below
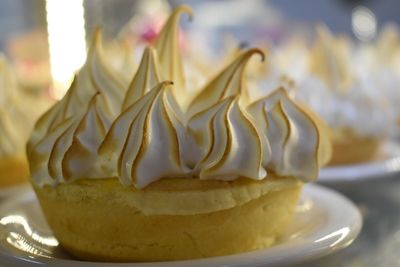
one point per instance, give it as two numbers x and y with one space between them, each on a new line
382 59
142 172
355 99
384 52
18 112
29 55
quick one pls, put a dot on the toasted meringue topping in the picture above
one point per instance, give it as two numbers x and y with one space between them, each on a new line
295 135
140 135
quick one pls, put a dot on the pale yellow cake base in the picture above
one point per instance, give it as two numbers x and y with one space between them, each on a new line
103 221
13 171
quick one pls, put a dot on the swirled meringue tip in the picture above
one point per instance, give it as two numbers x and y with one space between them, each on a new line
325 135
167 47
235 148
295 132
145 133
228 82
139 133
86 139
146 77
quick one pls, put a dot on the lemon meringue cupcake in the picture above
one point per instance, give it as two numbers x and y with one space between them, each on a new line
16 122
124 173
353 98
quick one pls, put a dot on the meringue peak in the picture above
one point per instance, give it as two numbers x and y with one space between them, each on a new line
121 124
146 77
228 82
57 114
87 138
131 141
297 137
103 79
167 47
233 144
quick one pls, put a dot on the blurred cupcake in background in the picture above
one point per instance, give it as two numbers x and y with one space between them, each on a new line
355 99
18 112
384 53
30 58
382 59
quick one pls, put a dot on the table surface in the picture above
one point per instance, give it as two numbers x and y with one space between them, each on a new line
379 241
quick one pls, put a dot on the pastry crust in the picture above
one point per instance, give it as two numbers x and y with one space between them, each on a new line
13 170
350 148
108 226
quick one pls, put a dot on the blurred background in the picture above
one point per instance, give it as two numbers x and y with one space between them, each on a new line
47 39
19 17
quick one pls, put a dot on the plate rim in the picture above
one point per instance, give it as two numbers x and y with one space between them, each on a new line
255 258
12 191
373 170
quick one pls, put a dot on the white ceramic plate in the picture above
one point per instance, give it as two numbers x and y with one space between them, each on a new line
324 222
15 190
387 165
